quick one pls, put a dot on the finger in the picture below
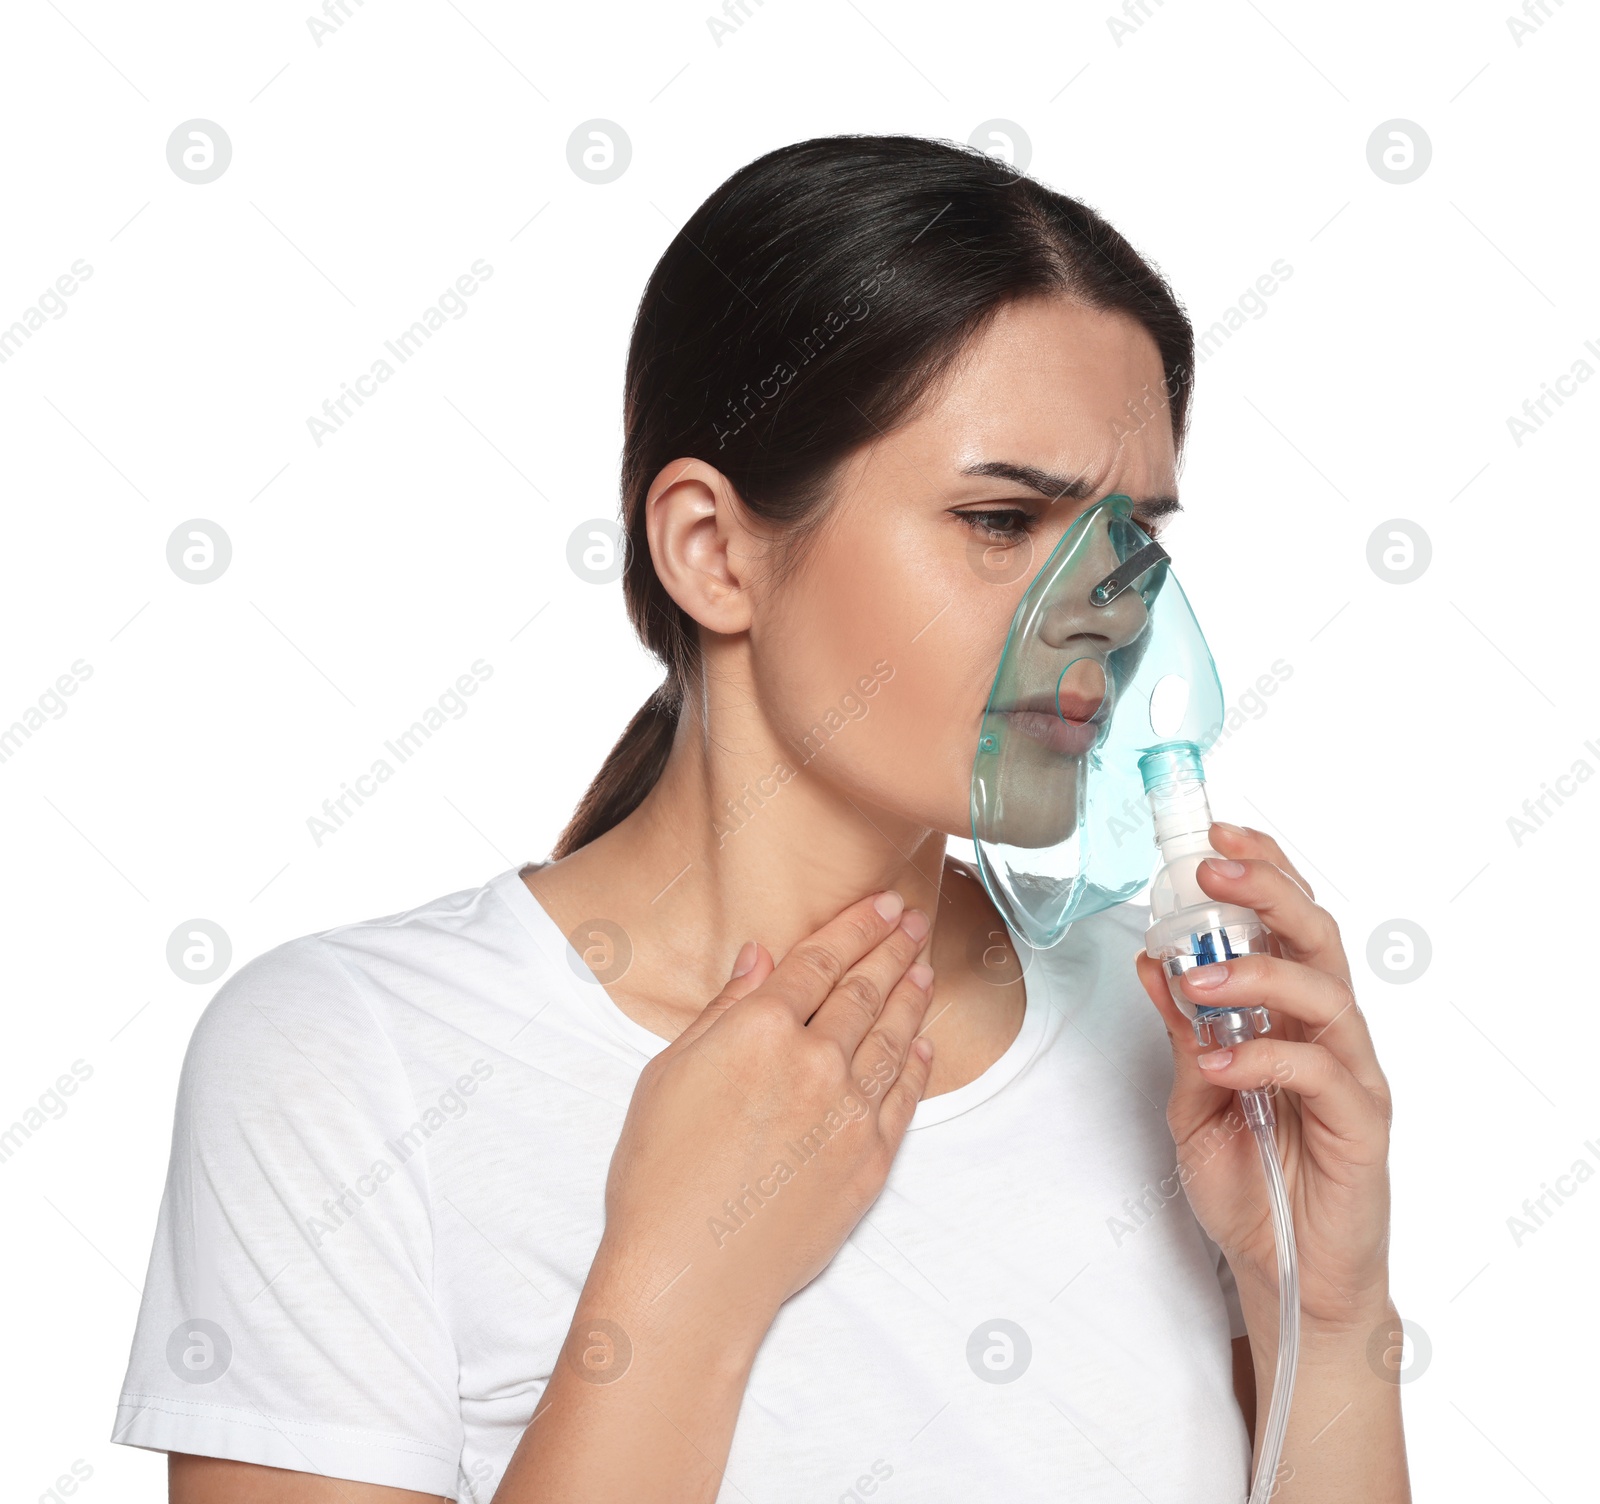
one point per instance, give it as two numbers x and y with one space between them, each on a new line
1331 1096
814 966
1306 931
757 960
1247 841
903 1096
1154 979
1195 1097
1195 1091
854 1006
1323 1004
881 1056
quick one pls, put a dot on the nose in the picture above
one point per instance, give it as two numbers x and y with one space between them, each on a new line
1071 620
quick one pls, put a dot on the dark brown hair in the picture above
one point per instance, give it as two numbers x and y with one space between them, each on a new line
807 306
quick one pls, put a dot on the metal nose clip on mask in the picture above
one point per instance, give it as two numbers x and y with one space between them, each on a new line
1104 663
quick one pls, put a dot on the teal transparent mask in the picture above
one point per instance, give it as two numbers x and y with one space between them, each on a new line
1104 662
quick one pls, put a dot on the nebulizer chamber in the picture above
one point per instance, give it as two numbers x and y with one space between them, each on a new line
1188 927
1089 754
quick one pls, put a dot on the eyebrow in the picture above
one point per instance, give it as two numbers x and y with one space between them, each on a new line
1061 487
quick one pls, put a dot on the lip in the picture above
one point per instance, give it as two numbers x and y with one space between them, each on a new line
1066 724
1066 738
1064 706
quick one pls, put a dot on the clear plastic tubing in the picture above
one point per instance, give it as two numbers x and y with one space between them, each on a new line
1187 929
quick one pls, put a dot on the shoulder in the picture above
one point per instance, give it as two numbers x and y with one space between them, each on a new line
318 1007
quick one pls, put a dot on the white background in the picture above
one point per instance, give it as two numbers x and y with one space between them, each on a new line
371 171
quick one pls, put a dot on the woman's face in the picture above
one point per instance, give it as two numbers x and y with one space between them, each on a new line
875 659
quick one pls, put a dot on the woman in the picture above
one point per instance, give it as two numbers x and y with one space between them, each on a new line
735 1153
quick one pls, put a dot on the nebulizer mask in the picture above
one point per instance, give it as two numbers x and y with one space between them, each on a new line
1089 755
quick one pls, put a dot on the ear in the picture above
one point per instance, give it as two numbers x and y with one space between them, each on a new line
703 548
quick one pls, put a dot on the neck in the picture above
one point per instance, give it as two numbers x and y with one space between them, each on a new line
745 838
742 839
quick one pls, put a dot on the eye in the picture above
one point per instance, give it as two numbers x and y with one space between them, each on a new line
1011 524
1002 524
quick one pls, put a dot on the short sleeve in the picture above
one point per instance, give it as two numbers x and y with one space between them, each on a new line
288 1316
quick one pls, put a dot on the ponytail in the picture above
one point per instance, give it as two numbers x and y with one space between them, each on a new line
629 772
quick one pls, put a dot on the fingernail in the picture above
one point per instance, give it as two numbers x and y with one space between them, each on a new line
923 1046
1225 869
915 923
1213 975
1223 825
889 905
746 959
921 976
1215 1060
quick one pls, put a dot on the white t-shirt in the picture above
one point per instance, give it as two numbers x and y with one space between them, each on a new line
387 1185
